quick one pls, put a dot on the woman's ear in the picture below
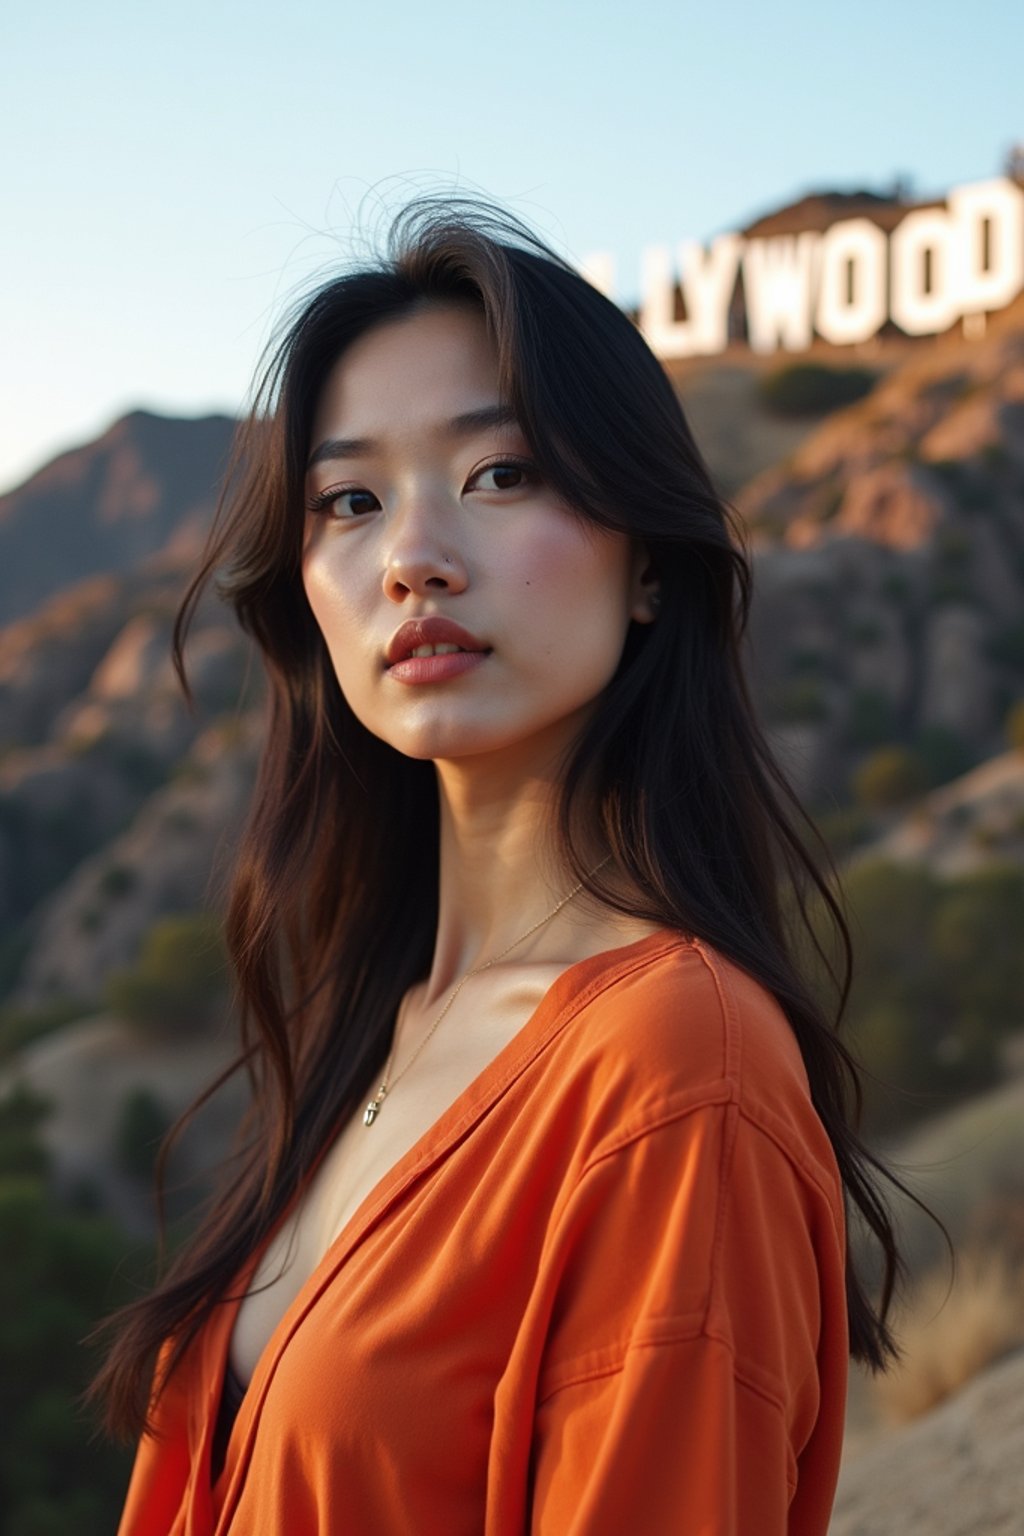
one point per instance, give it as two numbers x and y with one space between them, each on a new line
645 590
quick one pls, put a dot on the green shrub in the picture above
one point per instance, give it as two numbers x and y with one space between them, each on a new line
88 743
142 1123
896 586
889 1046
872 719
20 1026
142 767
22 1153
189 771
1006 647
14 947
949 584
843 829
976 941
891 777
829 501
812 389
181 978
1015 726
807 660
117 880
943 754
995 456
949 471
800 701
950 576
231 732
178 818
937 987
972 491
953 546
56 1475
865 632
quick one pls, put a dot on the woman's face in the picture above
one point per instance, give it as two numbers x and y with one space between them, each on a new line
427 517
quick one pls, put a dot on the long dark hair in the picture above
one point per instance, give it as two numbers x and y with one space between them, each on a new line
341 847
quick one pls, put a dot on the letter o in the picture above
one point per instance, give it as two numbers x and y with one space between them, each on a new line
864 244
915 311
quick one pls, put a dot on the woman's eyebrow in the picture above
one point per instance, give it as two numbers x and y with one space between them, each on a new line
459 426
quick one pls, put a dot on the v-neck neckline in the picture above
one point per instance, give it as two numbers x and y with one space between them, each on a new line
570 991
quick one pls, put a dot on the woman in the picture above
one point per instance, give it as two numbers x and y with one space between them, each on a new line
538 1222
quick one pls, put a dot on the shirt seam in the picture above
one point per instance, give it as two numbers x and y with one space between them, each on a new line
612 1358
726 1098
734 1112
668 1336
728 1088
690 1101
733 1068
663 1331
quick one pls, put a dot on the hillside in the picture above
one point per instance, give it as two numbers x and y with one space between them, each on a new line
888 551
919 1460
890 569
148 484
955 1472
888 548
93 723
940 439
961 827
89 1072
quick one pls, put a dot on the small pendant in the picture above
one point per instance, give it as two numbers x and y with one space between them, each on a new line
373 1108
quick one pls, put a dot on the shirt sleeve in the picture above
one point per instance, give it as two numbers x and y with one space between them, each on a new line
161 1467
695 1370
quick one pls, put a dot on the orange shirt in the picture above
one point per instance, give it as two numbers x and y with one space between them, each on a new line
604 1292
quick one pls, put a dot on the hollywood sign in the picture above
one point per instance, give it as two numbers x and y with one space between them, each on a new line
938 265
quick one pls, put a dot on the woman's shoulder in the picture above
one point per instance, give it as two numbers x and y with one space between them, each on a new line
683 1002
686 1026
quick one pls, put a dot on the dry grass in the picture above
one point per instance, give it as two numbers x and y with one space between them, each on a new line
949 1334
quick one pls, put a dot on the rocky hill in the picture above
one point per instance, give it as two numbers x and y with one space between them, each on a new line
90 1072
961 827
148 484
888 547
957 1471
172 857
890 567
94 723
932 1451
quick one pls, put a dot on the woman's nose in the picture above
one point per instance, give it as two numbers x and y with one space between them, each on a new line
422 553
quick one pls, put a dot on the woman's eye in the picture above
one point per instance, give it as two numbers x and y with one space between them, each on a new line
521 473
346 503
333 497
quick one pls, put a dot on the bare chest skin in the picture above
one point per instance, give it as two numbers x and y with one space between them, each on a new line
477 1026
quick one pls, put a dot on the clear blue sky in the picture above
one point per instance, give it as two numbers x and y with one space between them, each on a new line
171 175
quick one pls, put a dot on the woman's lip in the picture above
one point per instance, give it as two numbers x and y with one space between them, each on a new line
429 629
436 669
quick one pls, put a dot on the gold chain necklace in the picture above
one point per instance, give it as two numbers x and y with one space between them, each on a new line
374 1106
